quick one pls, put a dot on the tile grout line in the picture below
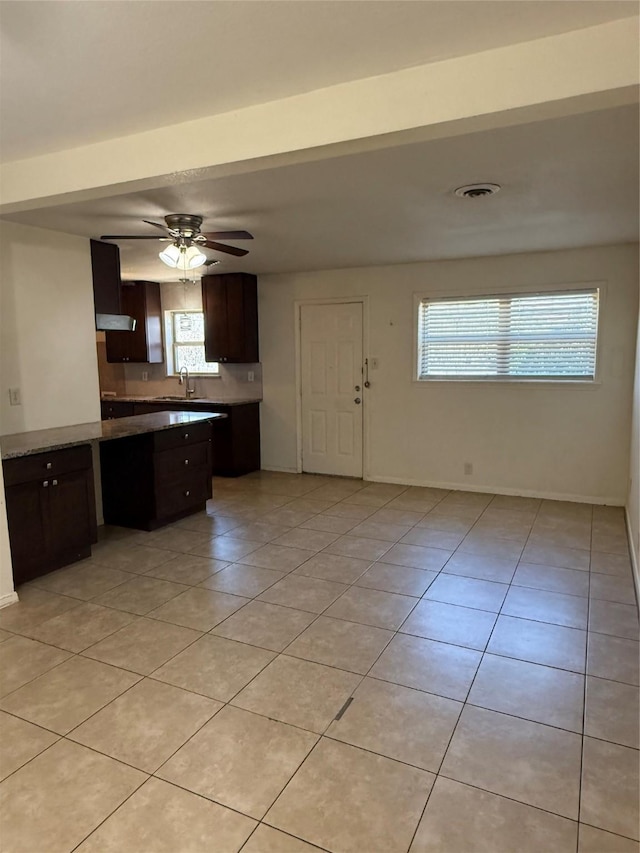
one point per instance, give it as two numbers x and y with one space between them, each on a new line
584 694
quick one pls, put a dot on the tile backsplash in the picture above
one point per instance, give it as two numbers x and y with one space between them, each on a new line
126 380
231 384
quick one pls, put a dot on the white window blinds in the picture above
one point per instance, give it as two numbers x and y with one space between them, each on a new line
529 336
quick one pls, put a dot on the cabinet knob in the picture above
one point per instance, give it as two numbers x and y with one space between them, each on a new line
186 435
48 466
45 484
54 482
186 461
187 493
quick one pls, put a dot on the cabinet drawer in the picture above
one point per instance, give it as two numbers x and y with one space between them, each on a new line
41 466
109 411
180 436
175 464
179 495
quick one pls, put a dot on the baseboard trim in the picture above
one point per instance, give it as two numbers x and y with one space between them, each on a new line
635 558
7 599
501 490
604 500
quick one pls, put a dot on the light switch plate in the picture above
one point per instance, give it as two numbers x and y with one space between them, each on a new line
14 397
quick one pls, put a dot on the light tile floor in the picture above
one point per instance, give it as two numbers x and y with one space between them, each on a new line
318 663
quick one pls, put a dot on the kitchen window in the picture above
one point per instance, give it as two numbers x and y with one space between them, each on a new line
184 332
548 336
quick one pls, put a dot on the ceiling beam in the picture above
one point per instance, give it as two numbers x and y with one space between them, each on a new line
573 72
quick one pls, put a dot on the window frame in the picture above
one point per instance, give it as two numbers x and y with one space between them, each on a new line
503 292
171 344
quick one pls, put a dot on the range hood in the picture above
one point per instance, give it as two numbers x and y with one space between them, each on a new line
115 323
105 265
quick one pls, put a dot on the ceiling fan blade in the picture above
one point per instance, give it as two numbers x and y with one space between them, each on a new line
227 235
158 225
220 247
130 237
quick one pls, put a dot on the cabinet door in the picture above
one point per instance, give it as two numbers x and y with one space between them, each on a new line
118 343
214 305
117 409
230 305
140 300
26 505
105 265
69 515
236 321
134 304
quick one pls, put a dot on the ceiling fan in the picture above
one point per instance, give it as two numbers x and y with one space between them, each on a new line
182 231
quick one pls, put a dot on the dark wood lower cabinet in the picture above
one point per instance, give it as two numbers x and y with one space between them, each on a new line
50 510
109 411
153 479
235 448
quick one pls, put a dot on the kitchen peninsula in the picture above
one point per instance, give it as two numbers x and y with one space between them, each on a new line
237 447
155 469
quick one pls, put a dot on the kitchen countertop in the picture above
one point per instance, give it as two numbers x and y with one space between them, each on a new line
218 401
39 441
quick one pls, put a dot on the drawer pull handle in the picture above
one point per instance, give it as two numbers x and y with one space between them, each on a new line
187 493
186 461
48 466
45 484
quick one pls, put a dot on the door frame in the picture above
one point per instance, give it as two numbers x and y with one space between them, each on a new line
333 300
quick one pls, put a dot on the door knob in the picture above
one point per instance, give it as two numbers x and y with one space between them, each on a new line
357 400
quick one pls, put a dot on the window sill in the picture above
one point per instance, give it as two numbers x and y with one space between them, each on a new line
552 383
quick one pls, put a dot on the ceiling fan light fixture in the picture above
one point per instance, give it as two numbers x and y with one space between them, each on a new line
181 257
170 255
192 258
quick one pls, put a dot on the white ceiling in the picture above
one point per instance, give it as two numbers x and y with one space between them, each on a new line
566 182
74 72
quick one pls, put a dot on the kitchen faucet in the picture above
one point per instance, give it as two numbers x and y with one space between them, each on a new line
184 374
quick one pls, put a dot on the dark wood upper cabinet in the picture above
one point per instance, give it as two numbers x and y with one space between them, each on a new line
230 305
140 300
105 264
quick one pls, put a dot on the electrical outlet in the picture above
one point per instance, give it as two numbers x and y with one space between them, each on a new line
468 468
145 375
14 397
250 376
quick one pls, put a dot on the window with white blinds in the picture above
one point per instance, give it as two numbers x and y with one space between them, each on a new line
549 336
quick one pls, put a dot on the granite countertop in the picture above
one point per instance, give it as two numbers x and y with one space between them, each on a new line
219 401
39 441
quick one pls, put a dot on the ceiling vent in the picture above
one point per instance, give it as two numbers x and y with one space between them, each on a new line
477 190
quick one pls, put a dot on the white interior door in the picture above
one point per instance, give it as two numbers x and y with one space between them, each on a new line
331 376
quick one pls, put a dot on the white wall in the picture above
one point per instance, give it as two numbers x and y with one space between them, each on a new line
47 330
47 342
633 498
569 441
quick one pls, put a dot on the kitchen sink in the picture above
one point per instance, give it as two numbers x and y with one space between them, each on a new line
178 398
